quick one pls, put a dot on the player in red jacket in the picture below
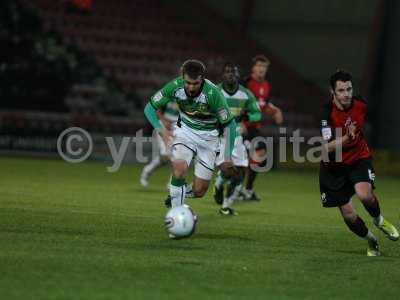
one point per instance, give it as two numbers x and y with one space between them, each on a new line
261 88
352 173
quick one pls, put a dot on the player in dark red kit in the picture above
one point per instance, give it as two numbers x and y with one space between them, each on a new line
261 88
340 179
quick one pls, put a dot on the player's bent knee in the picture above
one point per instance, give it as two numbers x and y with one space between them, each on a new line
348 212
226 170
238 176
364 191
365 196
200 192
200 187
349 216
179 168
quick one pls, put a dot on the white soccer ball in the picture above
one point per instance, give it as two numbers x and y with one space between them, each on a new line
180 221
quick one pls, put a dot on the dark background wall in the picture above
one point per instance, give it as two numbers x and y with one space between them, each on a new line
386 82
316 37
108 61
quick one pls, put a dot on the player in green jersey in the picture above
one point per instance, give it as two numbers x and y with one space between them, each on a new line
244 107
202 112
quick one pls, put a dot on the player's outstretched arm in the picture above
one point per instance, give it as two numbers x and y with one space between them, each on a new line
229 136
158 102
151 115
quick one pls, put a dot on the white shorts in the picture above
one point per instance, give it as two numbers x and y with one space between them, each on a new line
202 144
239 154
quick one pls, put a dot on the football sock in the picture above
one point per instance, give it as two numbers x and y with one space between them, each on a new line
378 220
236 191
373 209
220 180
189 191
228 201
358 227
250 179
177 191
370 236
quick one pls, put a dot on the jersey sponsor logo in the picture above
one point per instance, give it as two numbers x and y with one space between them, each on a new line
223 114
158 96
197 112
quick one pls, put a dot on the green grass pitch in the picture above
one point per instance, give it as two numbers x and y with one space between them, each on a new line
77 232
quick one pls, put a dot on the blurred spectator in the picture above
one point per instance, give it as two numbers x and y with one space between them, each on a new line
79 6
261 88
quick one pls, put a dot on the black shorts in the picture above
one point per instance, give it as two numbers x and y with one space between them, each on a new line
336 183
251 134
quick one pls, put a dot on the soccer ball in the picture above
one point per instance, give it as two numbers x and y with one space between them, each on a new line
180 221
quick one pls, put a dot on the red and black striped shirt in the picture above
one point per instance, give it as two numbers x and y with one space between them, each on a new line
334 118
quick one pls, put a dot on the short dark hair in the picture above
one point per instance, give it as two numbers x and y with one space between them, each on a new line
228 64
260 58
233 66
339 75
194 68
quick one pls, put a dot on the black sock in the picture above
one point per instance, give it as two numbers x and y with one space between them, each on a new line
373 209
229 190
358 227
251 177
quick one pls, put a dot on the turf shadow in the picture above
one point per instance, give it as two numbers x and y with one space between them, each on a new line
352 252
150 191
384 255
213 236
188 263
172 244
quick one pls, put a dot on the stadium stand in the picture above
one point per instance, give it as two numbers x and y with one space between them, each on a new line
40 71
142 43
109 60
